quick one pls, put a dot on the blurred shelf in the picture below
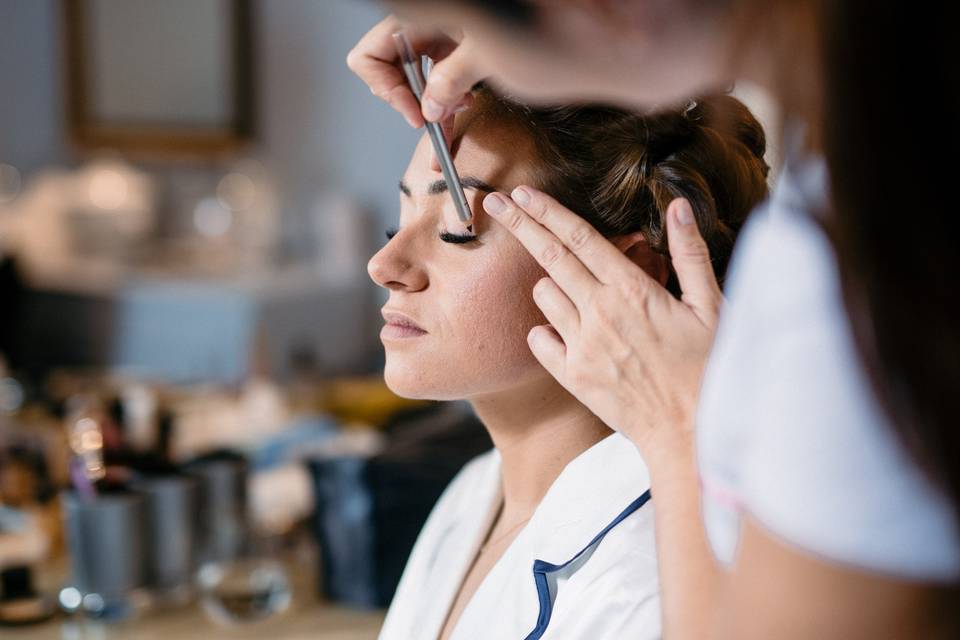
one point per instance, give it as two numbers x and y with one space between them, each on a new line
183 328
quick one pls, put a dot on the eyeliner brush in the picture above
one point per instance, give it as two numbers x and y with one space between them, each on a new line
413 68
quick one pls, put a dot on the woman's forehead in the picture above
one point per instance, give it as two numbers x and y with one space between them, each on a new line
496 156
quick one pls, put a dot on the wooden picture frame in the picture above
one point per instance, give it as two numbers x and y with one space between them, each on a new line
158 136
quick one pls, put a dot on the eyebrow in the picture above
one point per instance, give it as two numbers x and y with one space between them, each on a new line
440 186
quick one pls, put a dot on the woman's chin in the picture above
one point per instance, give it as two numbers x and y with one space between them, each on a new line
416 386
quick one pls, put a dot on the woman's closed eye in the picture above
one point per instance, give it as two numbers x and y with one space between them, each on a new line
456 238
446 236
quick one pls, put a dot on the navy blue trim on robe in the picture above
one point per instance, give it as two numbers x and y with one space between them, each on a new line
541 569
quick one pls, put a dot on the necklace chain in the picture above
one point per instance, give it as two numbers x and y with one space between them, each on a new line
491 543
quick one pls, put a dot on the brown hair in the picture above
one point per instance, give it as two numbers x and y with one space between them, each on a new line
619 170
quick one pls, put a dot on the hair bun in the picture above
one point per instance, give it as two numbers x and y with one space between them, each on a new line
732 119
620 170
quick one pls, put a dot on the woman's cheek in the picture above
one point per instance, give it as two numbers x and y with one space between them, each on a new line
504 297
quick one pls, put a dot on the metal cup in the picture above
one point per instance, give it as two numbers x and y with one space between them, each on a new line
223 508
172 540
106 538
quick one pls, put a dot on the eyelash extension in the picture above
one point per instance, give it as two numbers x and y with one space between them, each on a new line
454 238
446 236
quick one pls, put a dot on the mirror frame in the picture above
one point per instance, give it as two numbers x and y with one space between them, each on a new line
86 134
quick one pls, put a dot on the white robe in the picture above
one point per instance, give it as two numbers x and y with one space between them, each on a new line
591 539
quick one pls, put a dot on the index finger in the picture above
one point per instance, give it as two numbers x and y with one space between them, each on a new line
563 266
375 60
597 253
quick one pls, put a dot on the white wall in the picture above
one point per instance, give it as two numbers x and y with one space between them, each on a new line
31 123
321 125
320 128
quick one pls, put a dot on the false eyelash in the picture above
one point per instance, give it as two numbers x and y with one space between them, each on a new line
392 232
454 238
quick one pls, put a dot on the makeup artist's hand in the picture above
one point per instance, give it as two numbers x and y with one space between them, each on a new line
376 61
617 340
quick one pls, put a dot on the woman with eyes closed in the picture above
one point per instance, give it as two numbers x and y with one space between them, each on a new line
551 533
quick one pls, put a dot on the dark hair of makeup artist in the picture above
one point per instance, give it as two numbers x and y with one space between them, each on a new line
619 170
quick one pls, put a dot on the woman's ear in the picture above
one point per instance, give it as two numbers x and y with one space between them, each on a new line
636 247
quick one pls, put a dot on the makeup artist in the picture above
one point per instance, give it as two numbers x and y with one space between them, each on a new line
804 474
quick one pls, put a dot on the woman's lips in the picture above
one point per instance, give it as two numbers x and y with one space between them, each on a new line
399 326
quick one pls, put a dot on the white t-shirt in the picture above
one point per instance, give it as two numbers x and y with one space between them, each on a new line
789 430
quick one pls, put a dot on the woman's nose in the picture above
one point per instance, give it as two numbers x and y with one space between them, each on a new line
393 267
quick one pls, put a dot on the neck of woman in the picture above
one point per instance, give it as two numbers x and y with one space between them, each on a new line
538 428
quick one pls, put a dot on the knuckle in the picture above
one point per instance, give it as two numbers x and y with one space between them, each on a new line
576 377
604 325
539 209
551 254
634 288
514 220
695 249
579 237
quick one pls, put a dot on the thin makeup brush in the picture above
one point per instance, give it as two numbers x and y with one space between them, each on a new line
413 68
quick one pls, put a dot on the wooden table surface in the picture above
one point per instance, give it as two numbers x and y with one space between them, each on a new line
308 617
316 622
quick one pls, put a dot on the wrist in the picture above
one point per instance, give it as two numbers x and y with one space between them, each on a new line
669 453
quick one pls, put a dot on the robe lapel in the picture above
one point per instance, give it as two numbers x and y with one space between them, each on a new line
456 546
587 497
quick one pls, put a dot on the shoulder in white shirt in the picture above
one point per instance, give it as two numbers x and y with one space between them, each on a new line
789 430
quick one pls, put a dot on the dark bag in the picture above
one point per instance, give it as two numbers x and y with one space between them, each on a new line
369 511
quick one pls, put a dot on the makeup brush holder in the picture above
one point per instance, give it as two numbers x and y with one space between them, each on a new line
171 508
222 512
106 537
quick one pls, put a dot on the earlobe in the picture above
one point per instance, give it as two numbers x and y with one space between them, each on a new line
636 247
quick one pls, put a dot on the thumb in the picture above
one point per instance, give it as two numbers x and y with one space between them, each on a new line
449 82
691 261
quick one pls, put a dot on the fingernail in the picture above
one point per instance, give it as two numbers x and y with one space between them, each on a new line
494 204
684 213
521 196
432 110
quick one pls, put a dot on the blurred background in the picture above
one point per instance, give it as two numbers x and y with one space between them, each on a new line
194 437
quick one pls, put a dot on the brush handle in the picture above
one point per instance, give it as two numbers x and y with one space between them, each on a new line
414 72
